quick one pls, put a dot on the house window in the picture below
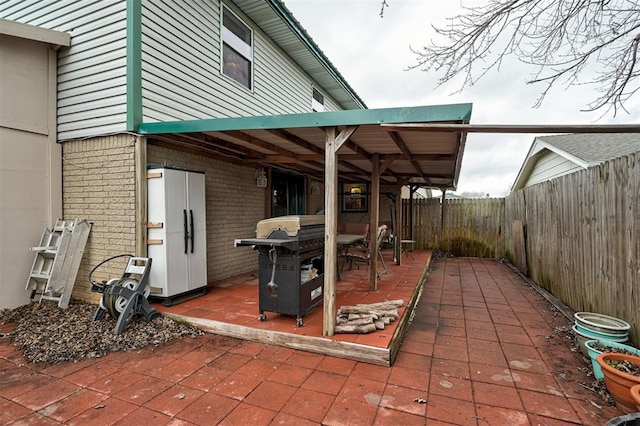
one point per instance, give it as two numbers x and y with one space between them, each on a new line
355 197
237 49
317 101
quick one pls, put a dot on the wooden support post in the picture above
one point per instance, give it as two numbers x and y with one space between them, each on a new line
412 190
330 230
375 221
333 142
398 230
442 212
141 195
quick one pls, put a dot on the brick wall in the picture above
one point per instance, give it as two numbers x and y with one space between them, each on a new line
99 185
234 206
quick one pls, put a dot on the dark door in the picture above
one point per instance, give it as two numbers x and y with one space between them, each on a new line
288 194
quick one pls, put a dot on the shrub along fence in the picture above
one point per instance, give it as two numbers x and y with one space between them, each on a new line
471 227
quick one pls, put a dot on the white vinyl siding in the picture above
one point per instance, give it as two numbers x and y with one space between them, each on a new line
549 166
181 77
330 104
92 72
181 68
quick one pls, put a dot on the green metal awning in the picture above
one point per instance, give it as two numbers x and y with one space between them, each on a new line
296 142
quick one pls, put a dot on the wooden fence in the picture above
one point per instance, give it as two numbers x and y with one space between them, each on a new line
471 227
577 236
582 238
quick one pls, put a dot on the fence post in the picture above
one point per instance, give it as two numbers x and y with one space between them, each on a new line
399 219
412 191
442 221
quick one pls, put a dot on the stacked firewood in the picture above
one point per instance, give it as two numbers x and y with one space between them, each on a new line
363 318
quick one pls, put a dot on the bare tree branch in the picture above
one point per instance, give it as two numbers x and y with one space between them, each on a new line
569 42
382 6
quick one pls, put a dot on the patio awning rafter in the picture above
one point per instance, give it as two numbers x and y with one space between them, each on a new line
343 145
296 142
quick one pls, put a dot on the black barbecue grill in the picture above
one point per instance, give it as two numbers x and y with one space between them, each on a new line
290 263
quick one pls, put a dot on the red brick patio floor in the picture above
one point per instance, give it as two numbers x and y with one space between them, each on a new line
481 350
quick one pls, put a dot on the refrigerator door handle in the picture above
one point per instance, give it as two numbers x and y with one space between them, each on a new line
185 230
192 233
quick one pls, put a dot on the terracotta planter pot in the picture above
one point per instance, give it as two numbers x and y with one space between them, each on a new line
635 395
615 347
618 382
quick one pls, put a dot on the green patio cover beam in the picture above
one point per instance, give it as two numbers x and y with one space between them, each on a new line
459 113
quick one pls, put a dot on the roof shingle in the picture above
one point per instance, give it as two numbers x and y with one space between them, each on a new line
595 147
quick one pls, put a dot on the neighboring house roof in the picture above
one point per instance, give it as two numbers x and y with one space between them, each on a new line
298 142
582 150
272 16
454 196
419 193
593 149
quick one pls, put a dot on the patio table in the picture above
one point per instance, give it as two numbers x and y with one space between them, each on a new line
344 241
405 245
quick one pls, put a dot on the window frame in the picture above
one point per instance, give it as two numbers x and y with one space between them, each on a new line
237 45
355 197
317 105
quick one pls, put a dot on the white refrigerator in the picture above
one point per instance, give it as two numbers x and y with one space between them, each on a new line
176 234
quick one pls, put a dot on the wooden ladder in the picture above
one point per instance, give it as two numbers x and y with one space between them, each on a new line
57 261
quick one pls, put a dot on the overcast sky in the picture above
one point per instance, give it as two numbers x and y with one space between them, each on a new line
372 54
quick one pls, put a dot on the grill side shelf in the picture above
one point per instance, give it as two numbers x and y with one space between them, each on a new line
271 242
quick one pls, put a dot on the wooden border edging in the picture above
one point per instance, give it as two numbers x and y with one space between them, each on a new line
321 345
405 321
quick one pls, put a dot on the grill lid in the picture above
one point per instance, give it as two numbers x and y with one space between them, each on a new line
290 224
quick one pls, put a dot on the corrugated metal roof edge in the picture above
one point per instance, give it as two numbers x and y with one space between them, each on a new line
288 18
459 113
